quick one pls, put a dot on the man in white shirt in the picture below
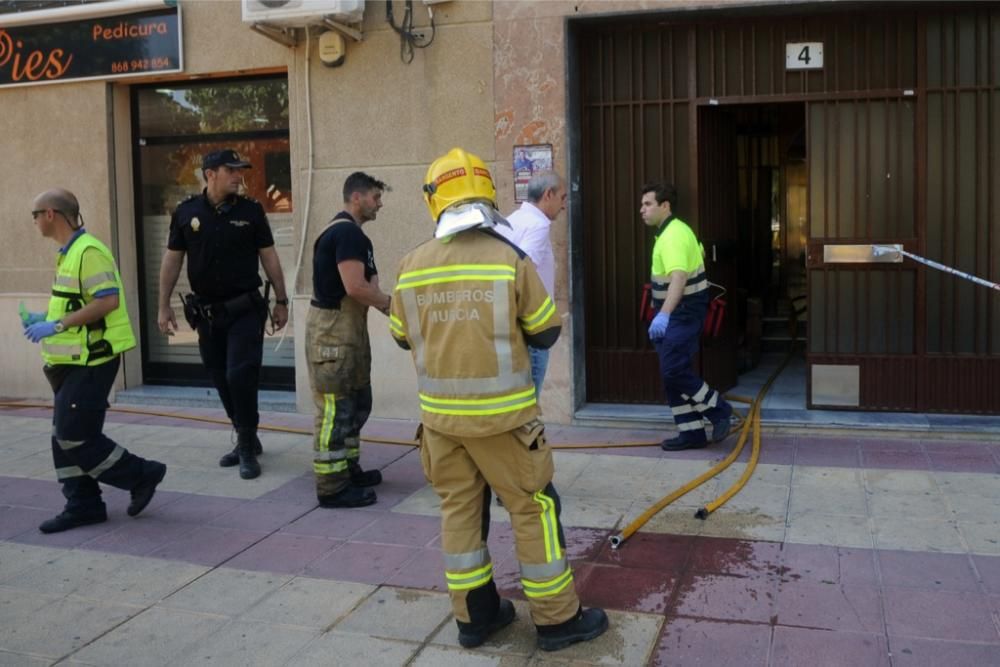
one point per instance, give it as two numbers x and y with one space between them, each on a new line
530 232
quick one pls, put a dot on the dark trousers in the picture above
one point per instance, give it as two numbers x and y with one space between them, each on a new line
232 349
690 398
81 453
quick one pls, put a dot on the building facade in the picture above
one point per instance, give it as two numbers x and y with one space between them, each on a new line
795 132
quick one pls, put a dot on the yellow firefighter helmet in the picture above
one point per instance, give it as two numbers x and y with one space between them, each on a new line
457 177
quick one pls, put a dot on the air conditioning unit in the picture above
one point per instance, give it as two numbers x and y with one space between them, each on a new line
300 13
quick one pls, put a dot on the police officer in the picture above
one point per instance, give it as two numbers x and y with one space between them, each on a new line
468 303
345 285
82 337
223 234
680 299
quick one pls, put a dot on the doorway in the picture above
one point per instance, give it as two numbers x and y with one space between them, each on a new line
753 225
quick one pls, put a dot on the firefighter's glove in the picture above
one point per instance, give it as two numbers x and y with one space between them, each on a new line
40 330
658 327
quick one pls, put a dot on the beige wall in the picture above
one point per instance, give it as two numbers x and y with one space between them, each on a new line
494 77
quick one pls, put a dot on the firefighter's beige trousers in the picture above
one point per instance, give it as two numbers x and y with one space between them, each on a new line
518 467
339 360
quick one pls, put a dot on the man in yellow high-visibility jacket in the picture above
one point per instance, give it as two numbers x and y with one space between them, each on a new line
468 303
82 337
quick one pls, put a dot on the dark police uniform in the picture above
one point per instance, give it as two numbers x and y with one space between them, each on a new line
340 358
222 244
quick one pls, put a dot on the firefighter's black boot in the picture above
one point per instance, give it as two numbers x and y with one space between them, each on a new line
361 477
349 496
586 625
246 449
230 459
470 636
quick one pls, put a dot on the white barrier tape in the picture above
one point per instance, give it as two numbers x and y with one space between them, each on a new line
882 250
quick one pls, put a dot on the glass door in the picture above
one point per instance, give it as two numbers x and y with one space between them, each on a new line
174 125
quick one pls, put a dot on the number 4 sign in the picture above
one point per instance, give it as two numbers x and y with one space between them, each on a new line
804 55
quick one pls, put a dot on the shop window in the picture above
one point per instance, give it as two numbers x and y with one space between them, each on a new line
175 124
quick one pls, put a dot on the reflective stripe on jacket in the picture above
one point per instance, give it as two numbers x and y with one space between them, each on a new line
463 306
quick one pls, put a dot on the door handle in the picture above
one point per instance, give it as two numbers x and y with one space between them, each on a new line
715 258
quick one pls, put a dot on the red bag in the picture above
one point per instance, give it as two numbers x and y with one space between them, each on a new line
646 312
713 318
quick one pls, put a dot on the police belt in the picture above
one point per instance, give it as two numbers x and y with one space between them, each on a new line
323 306
197 310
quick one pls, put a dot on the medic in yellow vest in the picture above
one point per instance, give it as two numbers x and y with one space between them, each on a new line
82 337
467 303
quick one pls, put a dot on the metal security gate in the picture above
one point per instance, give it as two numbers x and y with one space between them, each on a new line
903 146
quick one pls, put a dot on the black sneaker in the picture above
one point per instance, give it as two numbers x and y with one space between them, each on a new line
351 496
230 459
361 477
144 490
677 444
472 638
586 625
67 520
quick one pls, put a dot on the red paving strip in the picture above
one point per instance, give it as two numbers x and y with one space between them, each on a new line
755 602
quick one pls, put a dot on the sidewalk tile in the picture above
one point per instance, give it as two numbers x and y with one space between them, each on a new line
841 455
895 460
726 598
839 529
314 603
34 493
8 659
987 566
845 500
362 562
919 652
668 553
18 559
425 571
404 614
196 508
139 537
899 532
829 607
925 505
301 489
260 515
631 589
153 637
744 558
688 641
17 520
208 545
435 656
927 571
70 623
585 543
70 538
225 591
248 644
979 462
982 538
901 481
392 528
939 615
284 552
356 651
805 646
334 523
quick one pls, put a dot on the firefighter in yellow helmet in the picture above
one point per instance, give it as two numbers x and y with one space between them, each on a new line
467 303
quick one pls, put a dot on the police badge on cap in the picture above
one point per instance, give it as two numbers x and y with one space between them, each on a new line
227 158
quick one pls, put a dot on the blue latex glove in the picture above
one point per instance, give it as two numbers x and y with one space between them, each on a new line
658 327
40 330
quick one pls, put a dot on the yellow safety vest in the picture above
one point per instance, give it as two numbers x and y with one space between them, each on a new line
97 342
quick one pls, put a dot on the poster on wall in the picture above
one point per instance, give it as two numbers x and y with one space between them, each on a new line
528 161
107 47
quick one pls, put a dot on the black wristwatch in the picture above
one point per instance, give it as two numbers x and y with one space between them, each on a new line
281 302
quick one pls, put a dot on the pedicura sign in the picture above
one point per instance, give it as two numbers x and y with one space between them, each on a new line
108 47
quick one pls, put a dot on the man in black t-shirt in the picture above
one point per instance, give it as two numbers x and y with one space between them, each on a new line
224 235
345 285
